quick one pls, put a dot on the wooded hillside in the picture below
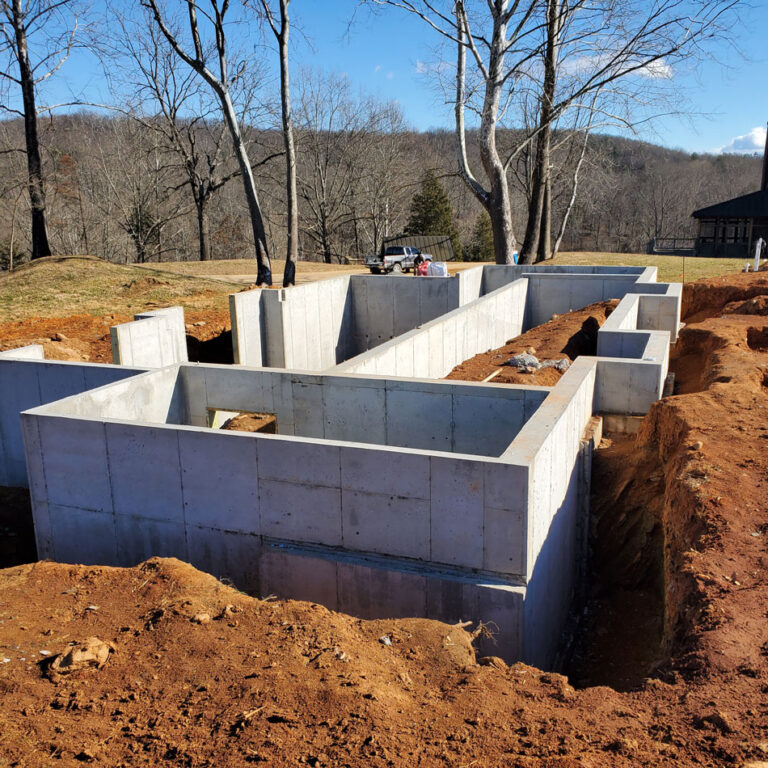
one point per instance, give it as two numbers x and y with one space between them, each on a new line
117 191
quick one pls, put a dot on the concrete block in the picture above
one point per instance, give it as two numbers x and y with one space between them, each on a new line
145 471
298 461
226 555
395 473
308 408
388 524
287 573
372 593
487 425
419 420
220 480
83 536
352 412
139 538
504 538
75 463
456 519
303 512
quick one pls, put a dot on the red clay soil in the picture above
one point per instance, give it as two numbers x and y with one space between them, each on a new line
86 338
566 336
681 511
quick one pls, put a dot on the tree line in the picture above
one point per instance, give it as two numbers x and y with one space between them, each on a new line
193 158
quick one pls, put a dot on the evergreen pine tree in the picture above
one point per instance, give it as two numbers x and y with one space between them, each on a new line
481 246
431 212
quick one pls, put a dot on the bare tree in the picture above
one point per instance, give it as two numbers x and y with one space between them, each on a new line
47 24
281 32
204 61
176 106
611 46
332 129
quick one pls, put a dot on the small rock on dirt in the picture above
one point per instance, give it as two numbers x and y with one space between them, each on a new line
523 361
93 653
201 618
493 661
559 365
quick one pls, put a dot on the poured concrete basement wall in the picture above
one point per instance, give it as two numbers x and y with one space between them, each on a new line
454 524
317 325
152 340
29 381
434 349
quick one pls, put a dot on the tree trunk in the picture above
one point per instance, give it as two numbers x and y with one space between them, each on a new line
202 228
264 276
292 252
536 205
545 238
496 200
40 245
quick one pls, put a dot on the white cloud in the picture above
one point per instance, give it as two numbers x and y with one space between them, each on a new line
658 70
377 68
749 143
424 68
390 75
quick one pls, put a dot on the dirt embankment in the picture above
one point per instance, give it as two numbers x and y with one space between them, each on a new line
86 338
565 336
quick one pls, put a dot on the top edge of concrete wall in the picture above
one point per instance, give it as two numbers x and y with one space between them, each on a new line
152 340
28 352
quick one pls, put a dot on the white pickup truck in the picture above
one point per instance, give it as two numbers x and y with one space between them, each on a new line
396 258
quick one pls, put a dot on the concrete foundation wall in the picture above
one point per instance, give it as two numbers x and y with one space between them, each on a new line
153 340
633 362
247 313
434 349
459 417
30 352
551 444
369 587
142 486
28 383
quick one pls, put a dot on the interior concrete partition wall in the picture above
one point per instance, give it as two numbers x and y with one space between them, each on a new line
633 356
29 352
115 478
153 340
317 325
28 381
434 349
338 322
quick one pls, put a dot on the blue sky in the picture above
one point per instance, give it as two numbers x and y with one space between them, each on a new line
382 54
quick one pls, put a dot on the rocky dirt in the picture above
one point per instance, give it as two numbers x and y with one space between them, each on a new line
564 336
86 338
201 675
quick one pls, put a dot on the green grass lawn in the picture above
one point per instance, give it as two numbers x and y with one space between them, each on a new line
672 269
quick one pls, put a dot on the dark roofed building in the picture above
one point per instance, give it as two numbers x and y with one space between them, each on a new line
732 227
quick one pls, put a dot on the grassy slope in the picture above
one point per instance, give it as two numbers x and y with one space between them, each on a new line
57 287
671 268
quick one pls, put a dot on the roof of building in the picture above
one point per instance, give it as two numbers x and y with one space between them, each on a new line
751 206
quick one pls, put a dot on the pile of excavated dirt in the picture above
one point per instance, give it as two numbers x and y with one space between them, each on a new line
86 337
564 336
200 675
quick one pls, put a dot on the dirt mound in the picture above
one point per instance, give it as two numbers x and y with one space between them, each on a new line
755 306
567 336
710 297
87 338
